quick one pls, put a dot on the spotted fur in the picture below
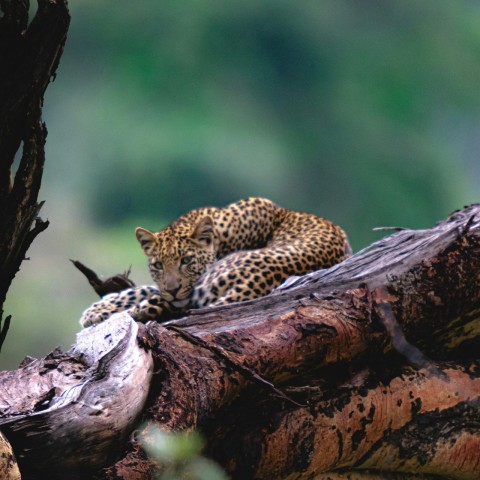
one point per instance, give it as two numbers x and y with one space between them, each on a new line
214 256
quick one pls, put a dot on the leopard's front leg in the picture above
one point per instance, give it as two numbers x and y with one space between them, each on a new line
126 300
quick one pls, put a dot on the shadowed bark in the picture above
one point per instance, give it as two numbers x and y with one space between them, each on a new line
29 57
365 370
412 421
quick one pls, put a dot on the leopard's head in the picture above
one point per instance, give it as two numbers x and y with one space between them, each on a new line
178 256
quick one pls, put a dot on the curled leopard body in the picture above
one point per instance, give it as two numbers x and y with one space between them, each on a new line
214 256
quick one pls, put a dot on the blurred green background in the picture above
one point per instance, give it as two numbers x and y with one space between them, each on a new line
365 112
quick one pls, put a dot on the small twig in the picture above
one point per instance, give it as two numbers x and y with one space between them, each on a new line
396 229
245 371
114 284
4 328
304 389
466 228
413 354
368 294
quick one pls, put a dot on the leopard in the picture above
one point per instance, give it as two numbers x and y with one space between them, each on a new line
215 256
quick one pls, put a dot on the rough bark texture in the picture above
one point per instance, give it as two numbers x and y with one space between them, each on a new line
29 56
80 405
366 370
412 421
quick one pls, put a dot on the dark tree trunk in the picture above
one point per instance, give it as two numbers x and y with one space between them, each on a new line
29 56
366 370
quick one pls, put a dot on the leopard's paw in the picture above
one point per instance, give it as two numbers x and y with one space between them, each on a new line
152 308
100 311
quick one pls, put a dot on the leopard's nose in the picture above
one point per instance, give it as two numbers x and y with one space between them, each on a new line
173 291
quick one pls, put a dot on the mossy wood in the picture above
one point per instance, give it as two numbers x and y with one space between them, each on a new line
366 370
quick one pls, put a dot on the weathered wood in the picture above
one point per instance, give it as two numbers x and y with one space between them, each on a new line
114 284
71 411
412 422
332 340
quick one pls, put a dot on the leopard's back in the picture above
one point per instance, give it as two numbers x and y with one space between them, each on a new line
272 244
243 225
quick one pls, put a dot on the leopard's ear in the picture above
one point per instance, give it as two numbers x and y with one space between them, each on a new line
203 231
147 240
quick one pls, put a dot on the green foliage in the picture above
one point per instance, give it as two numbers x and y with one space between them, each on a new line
366 113
179 455
337 107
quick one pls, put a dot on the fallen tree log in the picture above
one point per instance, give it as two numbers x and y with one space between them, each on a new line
414 422
329 372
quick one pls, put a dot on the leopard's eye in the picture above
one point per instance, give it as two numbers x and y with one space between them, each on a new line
158 265
187 259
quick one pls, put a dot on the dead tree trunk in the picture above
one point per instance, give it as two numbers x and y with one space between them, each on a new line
328 377
29 56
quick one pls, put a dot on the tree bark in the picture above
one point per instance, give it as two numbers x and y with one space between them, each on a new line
29 57
410 421
79 406
366 370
